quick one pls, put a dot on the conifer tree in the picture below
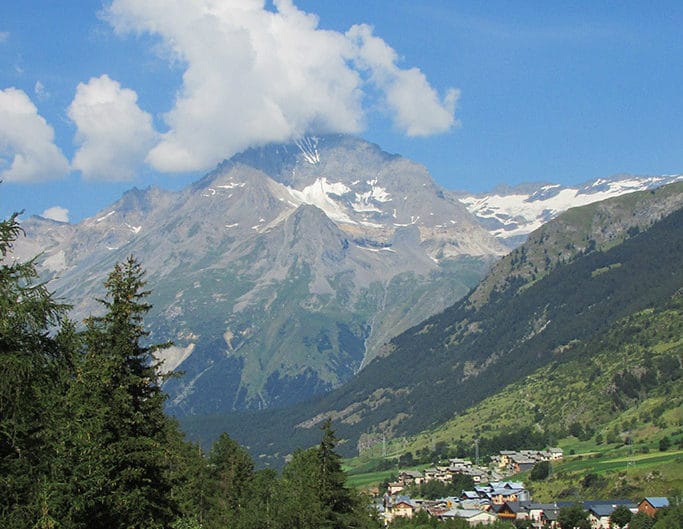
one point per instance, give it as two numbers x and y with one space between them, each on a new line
122 474
315 491
336 498
29 360
301 506
261 505
191 485
230 470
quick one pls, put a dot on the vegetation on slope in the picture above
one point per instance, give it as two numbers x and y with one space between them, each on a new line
598 226
626 381
613 403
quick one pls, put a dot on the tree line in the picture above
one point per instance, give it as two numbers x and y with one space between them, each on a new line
85 442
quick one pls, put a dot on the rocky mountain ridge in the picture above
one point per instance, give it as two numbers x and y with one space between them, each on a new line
512 213
280 273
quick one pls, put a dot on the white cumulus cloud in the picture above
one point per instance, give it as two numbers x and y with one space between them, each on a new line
27 149
252 76
415 106
114 135
57 213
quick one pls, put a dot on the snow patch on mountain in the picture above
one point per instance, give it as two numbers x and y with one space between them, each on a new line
367 201
309 148
100 219
511 214
318 194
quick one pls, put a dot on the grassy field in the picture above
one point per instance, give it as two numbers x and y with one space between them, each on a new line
601 465
363 476
602 476
369 479
618 475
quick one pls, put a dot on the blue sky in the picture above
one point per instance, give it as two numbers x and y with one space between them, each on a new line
96 98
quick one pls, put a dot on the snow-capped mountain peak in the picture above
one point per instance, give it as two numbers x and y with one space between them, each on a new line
510 214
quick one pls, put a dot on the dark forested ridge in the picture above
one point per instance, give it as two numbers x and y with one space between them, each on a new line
471 351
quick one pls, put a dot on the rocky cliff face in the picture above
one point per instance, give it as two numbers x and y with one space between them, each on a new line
282 272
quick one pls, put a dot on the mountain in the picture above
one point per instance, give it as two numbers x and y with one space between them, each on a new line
511 213
282 272
568 285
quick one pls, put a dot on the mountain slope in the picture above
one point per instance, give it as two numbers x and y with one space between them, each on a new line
623 382
511 213
279 274
472 350
597 226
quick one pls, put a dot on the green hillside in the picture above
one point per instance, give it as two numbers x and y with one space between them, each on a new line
625 382
612 404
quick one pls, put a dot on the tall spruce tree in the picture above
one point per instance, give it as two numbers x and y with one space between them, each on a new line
315 494
230 470
121 475
299 499
30 360
336 498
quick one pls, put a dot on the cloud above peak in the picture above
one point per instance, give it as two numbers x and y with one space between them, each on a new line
114 135
415 106
253 76
27 149
57 213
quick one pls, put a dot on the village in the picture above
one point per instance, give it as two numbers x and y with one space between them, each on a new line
493 498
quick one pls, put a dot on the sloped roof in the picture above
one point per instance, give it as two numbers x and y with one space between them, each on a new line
507 485
504 492
551 514
602 510
657 501
517 506
470 513
588 504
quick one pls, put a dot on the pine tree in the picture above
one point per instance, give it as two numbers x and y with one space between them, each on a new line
230 470
335 497
121 453
261 506
30 360
343 507
299 498
191 484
